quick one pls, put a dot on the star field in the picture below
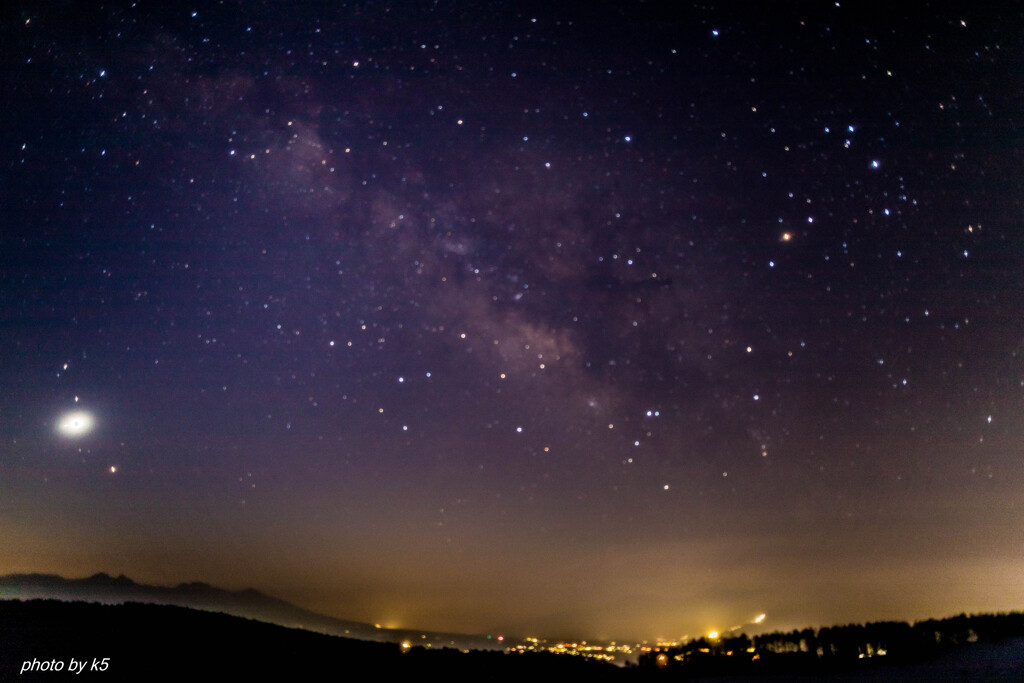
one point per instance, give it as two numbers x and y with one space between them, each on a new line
616 320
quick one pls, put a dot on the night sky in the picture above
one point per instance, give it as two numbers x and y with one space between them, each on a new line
600 320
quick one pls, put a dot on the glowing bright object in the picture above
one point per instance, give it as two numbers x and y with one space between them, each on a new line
75 424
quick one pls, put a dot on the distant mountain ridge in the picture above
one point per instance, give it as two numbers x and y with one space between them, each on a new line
248 603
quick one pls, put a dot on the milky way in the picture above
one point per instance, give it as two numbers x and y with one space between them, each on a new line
603 321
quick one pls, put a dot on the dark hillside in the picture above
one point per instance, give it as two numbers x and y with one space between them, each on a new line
161 642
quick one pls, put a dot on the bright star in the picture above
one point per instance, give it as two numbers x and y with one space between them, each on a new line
76 423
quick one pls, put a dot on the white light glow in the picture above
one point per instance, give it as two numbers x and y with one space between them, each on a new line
76 423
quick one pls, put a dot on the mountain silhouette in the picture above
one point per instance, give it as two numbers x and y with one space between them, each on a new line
248 603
